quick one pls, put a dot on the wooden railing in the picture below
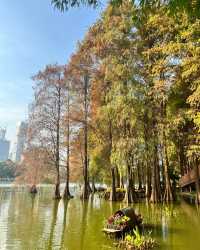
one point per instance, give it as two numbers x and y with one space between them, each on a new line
188 178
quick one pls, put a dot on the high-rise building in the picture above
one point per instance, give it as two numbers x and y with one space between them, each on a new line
19 143
4 145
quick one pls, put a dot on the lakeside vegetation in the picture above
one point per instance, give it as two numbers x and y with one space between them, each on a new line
125 109
7 170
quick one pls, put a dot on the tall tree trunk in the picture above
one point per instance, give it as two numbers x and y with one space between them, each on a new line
67 194
143 175
156 189
158 182
121 181
162 172
57 188
113 196
89 187
117 177
155 194
197 181
147 158
139 177
168 194
181 157
148 181
130 192
133 179
85 171
93 185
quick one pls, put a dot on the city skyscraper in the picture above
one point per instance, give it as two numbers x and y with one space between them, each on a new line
18 145
4 145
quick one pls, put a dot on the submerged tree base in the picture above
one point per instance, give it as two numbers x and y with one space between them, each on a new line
33 189
57 197
67 197
120 194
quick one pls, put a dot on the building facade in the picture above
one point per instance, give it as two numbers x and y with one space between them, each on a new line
19 142
4 145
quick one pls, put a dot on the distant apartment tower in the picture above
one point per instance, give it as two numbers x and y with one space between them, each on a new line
4 145
19 143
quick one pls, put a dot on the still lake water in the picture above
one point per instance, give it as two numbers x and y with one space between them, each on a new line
40 223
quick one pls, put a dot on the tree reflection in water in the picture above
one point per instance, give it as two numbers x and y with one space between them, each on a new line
53 224
83 223
63 235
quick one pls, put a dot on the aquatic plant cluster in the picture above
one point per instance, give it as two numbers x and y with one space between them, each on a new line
136 241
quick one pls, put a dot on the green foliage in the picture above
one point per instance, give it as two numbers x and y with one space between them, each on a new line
145 90
188 6
64 5
152 94
7 169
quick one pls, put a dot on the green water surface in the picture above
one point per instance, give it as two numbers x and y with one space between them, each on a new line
39 222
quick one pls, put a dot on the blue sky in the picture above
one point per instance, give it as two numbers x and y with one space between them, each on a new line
33 34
